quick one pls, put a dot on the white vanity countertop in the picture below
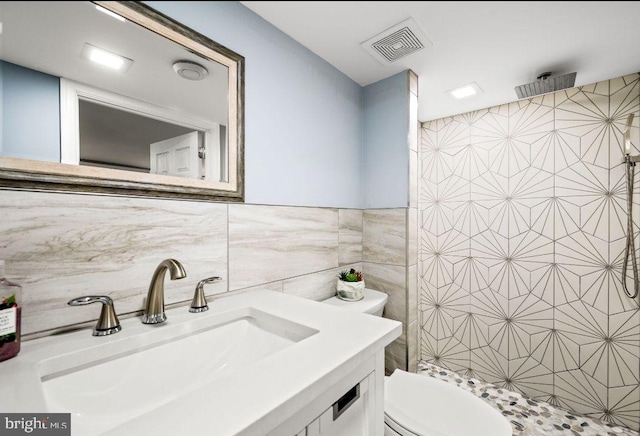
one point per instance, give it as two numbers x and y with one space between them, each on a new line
250 401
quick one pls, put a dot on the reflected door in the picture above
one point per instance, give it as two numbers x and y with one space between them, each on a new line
178 156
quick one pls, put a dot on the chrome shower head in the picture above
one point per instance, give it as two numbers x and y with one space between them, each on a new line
546 84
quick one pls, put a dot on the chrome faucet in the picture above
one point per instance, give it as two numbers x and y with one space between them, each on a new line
154 310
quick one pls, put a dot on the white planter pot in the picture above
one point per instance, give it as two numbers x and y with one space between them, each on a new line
350 291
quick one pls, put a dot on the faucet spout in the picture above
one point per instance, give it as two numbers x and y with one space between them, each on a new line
154 310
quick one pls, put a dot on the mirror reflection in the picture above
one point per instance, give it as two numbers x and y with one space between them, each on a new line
112 138
83 86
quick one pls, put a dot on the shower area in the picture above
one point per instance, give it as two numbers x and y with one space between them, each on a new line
522 248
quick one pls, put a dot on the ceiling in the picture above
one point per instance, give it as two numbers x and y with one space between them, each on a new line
496 44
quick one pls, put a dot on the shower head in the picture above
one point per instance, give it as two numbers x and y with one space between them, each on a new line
546 84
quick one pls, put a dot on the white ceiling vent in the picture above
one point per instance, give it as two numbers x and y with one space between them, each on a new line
397 42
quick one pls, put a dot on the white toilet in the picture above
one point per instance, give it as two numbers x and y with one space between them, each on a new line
415 405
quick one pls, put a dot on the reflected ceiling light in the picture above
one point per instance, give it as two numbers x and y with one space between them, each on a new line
111 14
105 58
190 70
465 91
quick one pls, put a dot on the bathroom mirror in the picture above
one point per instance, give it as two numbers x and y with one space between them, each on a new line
168 124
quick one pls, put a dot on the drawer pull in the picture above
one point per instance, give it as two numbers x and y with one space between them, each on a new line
344 402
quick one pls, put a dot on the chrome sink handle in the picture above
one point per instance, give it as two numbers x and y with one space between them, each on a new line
108 323
199 302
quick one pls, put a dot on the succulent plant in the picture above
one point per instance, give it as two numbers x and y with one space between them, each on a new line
350 276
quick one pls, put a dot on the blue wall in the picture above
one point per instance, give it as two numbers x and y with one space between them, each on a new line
303 117
386 143
30 114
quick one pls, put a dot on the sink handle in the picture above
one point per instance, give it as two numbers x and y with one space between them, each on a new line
108 323
199 302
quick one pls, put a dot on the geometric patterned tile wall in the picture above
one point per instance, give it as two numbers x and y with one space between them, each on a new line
522 211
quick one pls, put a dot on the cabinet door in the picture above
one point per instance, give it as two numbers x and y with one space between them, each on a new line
313 429
352 414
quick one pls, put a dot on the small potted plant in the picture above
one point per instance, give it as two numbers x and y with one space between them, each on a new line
350 285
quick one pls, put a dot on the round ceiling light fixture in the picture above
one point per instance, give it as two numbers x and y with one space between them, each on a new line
190 70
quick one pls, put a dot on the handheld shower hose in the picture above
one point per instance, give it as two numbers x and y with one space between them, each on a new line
630 249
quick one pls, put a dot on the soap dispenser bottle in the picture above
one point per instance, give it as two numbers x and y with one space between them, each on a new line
10 314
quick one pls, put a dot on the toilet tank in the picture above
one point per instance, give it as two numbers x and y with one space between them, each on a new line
372 303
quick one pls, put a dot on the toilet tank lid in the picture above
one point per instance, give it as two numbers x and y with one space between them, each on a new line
371 303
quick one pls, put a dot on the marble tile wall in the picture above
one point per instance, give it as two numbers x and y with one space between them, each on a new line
60 246
522 213
349 236
268 244
384 253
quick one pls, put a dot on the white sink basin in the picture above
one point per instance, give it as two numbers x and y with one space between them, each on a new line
246 367
116 382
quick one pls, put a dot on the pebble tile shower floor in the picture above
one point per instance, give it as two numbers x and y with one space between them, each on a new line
528 417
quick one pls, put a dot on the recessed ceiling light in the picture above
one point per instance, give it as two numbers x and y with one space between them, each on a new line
105 58
466 91
111 14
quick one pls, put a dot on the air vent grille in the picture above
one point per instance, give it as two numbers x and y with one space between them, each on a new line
398 45
397 42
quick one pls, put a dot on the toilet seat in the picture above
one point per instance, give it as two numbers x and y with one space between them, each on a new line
418 405
401 391
405 426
